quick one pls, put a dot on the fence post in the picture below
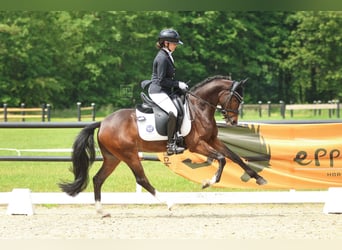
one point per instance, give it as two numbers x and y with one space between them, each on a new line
48 107
93 111
22 112
282 108
269 108
330 110
79 111
43 112
241 109
319 111
5 112
291 111
260 111
338 108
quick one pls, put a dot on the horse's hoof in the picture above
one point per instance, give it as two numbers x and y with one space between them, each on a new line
106 215
245 177
261 181
205 184
103 214
169 205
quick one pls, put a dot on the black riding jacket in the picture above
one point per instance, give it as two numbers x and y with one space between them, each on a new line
163 74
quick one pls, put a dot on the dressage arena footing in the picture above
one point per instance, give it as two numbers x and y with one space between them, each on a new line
21 200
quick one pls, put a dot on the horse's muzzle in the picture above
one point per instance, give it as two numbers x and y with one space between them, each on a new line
231 121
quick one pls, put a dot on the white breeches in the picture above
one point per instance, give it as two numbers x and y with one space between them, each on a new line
165 102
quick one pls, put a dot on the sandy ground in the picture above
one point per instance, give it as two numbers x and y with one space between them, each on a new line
227 221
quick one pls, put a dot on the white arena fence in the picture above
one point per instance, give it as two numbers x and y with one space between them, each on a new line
178 197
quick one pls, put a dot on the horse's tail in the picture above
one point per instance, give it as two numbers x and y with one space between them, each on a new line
83 156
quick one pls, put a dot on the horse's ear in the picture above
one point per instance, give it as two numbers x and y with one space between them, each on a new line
243 82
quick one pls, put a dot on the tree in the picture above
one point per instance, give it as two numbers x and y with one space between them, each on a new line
28 73
62 57
314 50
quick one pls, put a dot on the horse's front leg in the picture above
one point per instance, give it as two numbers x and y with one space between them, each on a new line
221 147
205 149
217 177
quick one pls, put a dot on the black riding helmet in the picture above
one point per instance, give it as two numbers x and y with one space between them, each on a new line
169 35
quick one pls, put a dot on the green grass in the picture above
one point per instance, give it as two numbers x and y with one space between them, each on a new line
44 176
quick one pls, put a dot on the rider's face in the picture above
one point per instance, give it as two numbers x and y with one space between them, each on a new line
172 46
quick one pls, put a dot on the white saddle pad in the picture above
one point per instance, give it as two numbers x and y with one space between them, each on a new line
147 125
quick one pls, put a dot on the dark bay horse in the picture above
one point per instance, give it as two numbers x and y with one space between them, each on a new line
118 139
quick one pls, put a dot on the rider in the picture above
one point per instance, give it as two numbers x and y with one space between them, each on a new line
163 83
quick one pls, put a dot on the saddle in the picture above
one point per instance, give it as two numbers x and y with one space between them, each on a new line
161 117
152 121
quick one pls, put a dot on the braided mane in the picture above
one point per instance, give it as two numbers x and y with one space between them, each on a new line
209 79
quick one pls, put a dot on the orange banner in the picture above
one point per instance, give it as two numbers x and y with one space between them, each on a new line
288 156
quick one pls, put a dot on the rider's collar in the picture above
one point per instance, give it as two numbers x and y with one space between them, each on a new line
169 53
167 50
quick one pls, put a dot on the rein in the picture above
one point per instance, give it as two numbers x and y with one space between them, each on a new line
222 110
205 101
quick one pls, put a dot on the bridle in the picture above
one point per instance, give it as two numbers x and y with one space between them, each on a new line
225 112
232 92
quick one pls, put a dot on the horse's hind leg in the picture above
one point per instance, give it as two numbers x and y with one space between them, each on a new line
139 173
109 164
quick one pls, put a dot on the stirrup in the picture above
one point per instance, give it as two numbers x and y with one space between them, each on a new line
172 148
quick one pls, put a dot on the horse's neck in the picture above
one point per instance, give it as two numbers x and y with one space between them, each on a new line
202 104
209 95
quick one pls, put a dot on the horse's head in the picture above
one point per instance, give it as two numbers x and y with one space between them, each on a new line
230 101
220 91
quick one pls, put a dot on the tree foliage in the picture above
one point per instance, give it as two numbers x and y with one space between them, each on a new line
61 57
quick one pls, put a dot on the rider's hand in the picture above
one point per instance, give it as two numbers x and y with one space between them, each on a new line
183 85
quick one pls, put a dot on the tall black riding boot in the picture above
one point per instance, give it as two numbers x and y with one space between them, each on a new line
172 147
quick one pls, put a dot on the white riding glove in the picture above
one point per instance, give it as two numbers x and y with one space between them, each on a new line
183 85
